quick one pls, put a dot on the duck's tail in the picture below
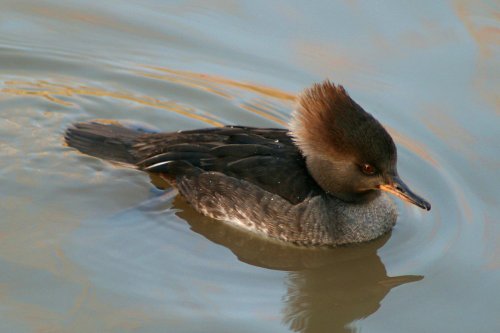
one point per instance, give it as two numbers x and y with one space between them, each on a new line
110 141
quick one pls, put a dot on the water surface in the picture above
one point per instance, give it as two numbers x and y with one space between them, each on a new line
87 246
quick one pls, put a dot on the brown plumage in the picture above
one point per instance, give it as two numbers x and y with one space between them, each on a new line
329 122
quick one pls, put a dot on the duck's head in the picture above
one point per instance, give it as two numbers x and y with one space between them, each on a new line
348 152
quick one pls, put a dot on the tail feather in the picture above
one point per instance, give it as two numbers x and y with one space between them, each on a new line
107 141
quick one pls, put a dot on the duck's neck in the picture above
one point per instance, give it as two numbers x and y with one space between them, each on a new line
361 197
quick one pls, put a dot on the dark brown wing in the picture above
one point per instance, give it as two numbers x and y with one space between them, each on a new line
264 157
110 141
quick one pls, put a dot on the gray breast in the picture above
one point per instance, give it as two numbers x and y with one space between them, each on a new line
354 223
318 220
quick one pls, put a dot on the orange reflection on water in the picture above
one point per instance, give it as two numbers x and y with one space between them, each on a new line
187 82
473 15
226 88
481 21
219 85
438 120
47 94
263 114
411 145
205 79
49 91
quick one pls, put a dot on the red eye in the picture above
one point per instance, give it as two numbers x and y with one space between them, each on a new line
368 169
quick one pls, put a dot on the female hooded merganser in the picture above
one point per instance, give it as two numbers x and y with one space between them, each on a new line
319 183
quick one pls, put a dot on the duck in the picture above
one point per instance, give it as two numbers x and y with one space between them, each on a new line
324 181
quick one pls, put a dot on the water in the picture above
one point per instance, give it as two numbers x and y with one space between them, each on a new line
86 246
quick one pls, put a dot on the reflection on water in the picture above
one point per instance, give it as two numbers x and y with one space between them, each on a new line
54 92
343 285
326 288
226 88
87 246
338 294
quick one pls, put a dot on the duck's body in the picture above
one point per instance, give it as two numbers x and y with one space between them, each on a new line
277 182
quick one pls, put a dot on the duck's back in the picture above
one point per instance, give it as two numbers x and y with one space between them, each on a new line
264 157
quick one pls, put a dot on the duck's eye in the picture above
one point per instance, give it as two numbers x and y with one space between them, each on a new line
368 169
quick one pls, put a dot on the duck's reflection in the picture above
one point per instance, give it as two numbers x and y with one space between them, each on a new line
330 297
327 289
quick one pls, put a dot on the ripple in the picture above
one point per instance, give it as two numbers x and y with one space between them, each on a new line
417 232
86 245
